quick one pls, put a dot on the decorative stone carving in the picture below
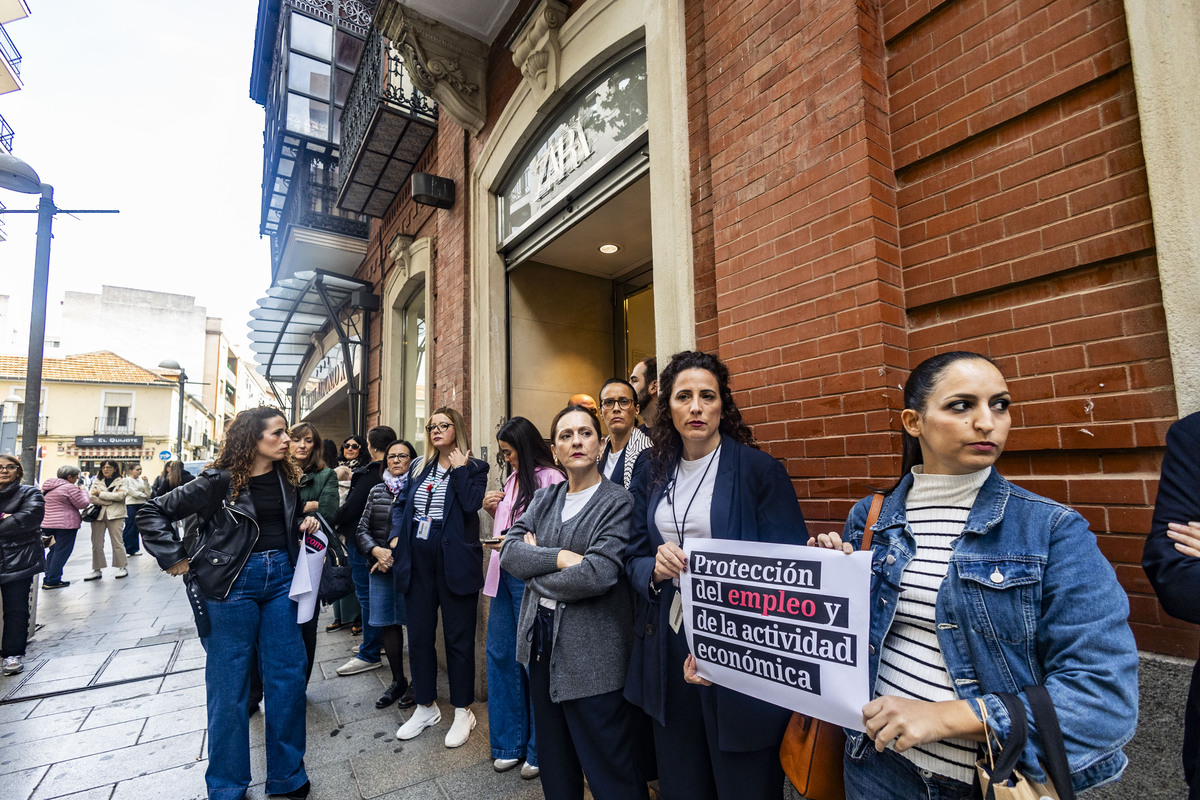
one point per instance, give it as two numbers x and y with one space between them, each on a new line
535 47
446 64
398 250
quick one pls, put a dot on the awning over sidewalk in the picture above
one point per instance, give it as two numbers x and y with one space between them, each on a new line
284 326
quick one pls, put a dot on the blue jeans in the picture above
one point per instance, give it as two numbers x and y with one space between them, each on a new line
130 534
360 570
510 715
890 776
257 613
60 551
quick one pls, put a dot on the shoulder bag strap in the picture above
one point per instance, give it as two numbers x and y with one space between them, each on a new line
1046 720
872 518
1018 733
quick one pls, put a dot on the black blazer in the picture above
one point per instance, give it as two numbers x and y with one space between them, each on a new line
460 528
753 500
1176 576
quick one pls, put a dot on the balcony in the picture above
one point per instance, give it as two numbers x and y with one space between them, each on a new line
104 426
313 232
10 64
386 126
6 135
43 425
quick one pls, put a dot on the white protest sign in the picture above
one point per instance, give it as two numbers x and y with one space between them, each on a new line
784 623
307 578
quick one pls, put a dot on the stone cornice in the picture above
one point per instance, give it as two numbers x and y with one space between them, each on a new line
535 47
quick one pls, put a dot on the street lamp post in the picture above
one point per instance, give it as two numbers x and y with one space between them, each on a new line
18 176
174 365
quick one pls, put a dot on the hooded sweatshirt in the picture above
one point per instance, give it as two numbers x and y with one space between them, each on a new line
64 501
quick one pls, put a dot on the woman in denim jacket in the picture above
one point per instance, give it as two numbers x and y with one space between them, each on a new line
980 587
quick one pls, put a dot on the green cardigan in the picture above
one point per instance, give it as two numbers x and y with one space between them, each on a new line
321 486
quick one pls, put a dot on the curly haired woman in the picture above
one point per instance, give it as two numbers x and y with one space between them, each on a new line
249 506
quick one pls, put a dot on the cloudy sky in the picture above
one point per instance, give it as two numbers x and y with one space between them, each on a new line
142 106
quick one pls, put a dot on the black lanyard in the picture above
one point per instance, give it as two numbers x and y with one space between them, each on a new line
432 487
671 498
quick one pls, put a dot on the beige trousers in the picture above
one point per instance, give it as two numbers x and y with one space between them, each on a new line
115 527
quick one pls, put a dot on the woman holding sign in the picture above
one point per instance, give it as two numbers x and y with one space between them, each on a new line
576 626
981 587
705 480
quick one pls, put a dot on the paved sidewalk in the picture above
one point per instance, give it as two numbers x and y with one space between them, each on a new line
111 707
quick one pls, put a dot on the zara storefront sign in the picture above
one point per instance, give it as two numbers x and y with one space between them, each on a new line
577 146
108 441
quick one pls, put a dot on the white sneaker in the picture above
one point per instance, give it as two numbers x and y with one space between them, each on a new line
94 575
505 764
357 665
529 771
122 573
422 718
464 723
13 665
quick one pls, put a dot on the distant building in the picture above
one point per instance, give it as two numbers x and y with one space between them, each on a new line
97 406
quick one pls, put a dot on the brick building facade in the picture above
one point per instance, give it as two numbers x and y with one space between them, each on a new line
838 190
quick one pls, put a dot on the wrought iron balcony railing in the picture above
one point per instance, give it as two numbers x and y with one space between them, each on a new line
311 203
6 135
387 117
9 50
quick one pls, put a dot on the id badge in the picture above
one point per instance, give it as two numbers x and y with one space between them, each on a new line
676 614
423 529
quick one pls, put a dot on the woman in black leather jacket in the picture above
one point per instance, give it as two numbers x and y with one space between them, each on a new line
248 506
21 557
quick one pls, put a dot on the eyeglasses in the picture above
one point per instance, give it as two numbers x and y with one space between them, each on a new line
9 468
612 402
399 457
440 427
350 446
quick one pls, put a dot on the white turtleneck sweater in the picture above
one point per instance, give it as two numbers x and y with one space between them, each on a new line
911 664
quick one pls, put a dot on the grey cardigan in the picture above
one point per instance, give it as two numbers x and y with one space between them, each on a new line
593 623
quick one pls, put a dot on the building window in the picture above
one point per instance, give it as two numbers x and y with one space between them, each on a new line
321 61
117 414
415 384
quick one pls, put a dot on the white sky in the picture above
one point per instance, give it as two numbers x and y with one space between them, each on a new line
143 106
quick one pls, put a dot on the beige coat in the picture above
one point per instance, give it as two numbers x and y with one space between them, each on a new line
112 503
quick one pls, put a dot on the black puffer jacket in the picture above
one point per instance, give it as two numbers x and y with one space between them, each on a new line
229 530
375 524
21 553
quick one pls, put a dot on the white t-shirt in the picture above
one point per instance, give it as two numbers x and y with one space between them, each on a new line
611 464
687 504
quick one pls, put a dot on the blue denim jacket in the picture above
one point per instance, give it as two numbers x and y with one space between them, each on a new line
1028 598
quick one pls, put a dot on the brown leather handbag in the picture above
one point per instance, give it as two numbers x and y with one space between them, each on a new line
812 749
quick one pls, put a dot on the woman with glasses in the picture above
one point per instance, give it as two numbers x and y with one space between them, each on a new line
625 442
21 557
510 723
375 540
438 564
108 492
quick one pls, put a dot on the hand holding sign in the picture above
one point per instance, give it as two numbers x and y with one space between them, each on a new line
783 623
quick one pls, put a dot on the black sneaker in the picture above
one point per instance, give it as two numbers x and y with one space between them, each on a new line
55 584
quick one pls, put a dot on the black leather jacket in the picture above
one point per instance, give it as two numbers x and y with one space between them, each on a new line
226 540
21 553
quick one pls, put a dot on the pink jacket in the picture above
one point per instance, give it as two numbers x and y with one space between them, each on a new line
64 501
545 477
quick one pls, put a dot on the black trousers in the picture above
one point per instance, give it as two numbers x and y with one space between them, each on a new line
690 765
427 593
593 736
16 616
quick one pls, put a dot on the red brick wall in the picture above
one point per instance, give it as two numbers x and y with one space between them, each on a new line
875 182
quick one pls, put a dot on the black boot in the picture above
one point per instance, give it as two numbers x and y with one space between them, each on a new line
392 693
